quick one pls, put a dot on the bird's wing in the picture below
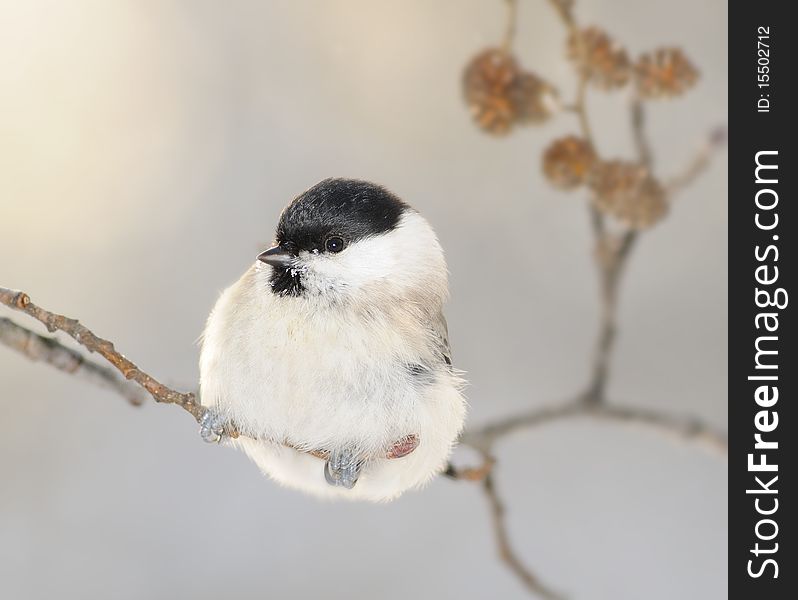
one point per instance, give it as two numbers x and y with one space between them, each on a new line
440 332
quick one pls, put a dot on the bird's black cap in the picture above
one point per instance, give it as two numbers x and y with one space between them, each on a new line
349 208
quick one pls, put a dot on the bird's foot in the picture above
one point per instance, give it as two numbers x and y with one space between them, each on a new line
212 426
342 468
403 447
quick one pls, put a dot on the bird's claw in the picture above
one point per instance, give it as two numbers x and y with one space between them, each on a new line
212 427
342 468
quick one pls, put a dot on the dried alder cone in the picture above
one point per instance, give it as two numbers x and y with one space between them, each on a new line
567 162
500 94
628 192
599 59
533 99
624 190
664 73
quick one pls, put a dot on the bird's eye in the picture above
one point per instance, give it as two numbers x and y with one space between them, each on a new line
334 244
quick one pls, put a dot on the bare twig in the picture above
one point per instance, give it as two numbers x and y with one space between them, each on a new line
715 141
484 440
82 335
49 350
564 9
478 473
610 272
580 108
512 20
684 428
610 265
642 145
506 551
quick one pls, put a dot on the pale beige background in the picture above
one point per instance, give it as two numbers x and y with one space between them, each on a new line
146 149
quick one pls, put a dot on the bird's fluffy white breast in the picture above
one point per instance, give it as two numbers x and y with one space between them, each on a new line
329 370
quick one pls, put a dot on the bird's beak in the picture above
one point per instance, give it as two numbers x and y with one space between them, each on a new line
276 257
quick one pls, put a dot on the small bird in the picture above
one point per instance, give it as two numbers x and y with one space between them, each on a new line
330 355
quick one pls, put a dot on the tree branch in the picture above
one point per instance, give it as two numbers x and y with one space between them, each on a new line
642 145
613 254
512 22
715 141
564 9
49 350
506 551
85 337
484 438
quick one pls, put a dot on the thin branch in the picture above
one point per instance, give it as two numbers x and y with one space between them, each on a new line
610 271
49 350
642 144
677 427
596 222
612 266
85 337
478 473
580 108
715 141
484 439
512 24
506 551
564 9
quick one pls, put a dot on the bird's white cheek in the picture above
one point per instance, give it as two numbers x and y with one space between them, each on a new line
355 267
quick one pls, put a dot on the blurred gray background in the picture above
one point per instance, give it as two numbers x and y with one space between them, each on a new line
146 149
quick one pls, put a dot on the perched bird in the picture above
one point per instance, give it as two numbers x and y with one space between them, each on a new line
331 354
